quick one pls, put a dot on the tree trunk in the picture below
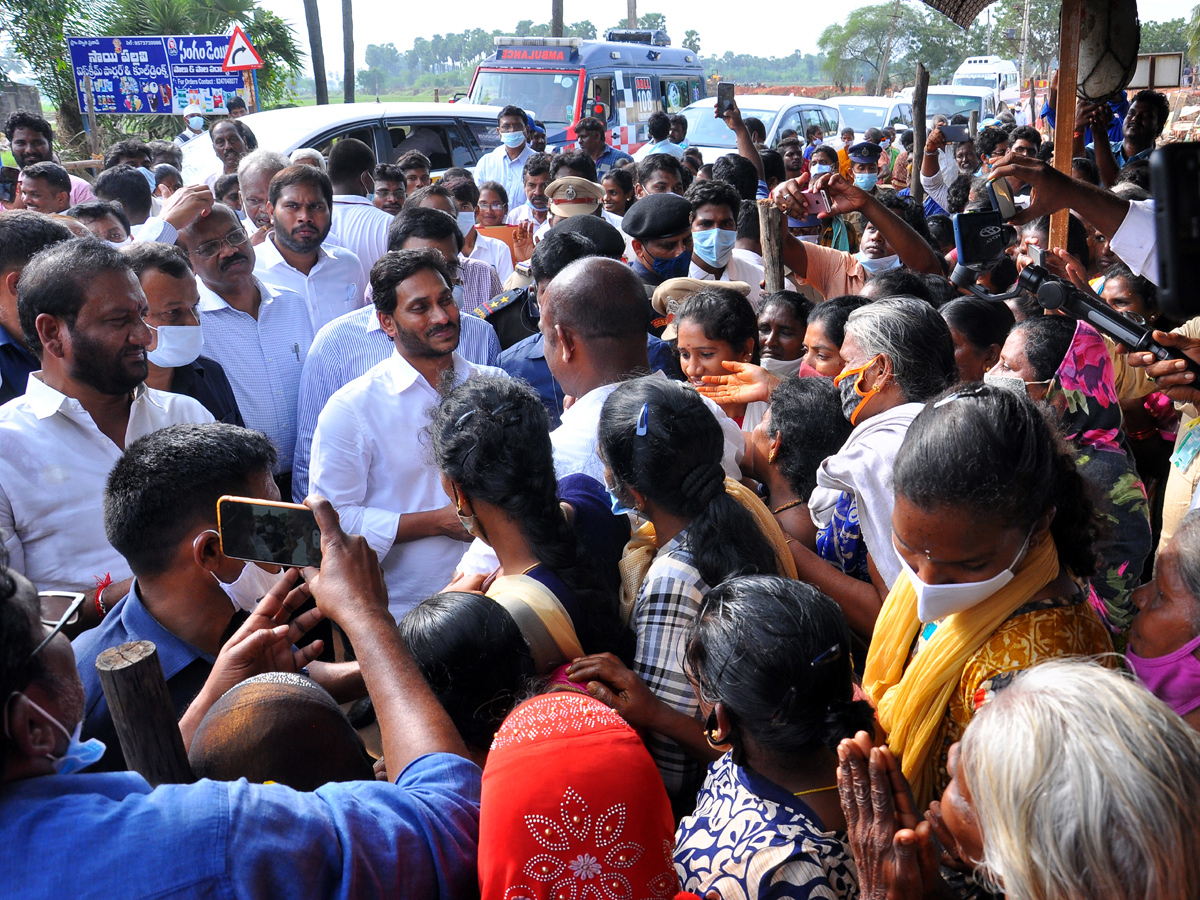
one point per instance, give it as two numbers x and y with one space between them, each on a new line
316 50
348 48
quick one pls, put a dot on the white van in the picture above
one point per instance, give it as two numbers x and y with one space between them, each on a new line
992 72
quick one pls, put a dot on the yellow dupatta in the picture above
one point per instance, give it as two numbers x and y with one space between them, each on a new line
911 702
639 553
542 619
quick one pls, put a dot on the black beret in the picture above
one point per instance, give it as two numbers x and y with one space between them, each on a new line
607 239
657 216
865 152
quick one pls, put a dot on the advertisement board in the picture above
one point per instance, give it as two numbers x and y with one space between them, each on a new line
154 75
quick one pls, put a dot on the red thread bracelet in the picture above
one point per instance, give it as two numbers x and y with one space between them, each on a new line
101 584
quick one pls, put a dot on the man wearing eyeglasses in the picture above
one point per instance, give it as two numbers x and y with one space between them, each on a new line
414 835
259 334
81 310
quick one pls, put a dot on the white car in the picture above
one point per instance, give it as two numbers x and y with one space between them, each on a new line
950 100
861 113
778 114
450 134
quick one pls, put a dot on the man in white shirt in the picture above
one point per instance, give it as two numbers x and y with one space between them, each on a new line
255 172
506 164
715 206
357 224
659 129
535 207
81 310
368 457
292 258
259 334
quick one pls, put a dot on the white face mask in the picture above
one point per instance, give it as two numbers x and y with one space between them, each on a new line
466 221
119 244
1014 383
875 266
782 367
936 601
178 345
249 587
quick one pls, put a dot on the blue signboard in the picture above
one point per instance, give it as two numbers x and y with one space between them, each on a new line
155 75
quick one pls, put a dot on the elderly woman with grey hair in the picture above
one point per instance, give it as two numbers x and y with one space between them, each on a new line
1074 783
897 354
1165 635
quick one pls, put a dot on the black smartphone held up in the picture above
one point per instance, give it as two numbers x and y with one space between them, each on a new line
981 239
265 531
955 134
1175 179
1000 193
724 98
8 183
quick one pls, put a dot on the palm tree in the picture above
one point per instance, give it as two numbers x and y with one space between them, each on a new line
348 48
316 50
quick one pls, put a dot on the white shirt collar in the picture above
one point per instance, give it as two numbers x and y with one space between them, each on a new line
268 253
45 401
210 299
352 198
404 376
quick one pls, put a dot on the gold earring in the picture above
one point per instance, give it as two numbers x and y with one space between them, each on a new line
771 456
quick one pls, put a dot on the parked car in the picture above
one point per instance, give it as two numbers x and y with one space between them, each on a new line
951 100
449 134
778 114
861 113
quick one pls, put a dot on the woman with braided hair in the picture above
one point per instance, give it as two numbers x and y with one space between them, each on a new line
661 448
491 442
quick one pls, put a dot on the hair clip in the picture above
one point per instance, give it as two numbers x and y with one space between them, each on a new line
971 390
642 423
833 654
462 420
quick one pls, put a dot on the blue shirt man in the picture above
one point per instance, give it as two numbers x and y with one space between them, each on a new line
16 364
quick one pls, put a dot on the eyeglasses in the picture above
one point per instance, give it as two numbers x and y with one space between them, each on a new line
498 205
59 609
235 238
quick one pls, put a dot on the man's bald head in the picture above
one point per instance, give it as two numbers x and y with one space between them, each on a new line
599 299
279 727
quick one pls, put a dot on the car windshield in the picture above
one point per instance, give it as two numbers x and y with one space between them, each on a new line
951 105
706 130
987 81
550 96
860 118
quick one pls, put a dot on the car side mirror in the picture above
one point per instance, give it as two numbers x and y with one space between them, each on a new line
598 109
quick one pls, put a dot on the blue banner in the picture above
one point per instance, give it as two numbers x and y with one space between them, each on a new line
155 75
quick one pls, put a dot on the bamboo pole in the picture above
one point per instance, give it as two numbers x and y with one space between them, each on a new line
1064 123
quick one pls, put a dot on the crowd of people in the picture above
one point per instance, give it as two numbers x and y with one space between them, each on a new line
636 580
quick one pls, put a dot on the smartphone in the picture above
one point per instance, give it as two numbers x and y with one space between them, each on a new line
1037 255
956 134
8 183
266 531
1175 179
724 98
1000 193
816 202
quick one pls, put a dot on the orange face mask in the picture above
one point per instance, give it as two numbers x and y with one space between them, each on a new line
849 408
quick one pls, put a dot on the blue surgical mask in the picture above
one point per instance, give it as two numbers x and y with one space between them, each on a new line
675 267
865 180
820 168
512 139
714 246
149 176
79 754
875 266
197 122
618 507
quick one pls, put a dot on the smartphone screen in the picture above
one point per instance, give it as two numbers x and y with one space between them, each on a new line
956 134
8 184
283 534
1001 196
724 97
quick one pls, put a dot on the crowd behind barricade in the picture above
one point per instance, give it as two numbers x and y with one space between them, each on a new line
635 579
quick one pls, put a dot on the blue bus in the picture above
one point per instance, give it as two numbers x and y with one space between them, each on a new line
621 81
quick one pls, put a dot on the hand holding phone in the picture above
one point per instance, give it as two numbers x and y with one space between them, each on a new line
1000 193
816 202
8 183
266 531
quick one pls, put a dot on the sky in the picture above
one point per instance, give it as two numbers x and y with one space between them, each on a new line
381 21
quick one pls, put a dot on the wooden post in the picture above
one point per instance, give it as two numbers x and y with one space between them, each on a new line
251 96
1069 23
631 14
94 143
770 227
436 96
973 124
920 93
142 713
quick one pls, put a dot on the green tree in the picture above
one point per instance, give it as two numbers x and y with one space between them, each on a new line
524 28
691 40
1043 33
1164 37
585 30
385 58
653 21
854 50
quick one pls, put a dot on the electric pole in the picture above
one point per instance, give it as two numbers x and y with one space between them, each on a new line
1024 43
887 51
631 17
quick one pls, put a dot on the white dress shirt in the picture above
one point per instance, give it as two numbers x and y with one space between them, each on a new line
496 166
53 469
1136 240
495 253
739 268
370 460
360 228
665 146
332 288
262 358
349 347
524 213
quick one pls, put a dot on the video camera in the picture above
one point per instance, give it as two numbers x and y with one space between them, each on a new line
982 239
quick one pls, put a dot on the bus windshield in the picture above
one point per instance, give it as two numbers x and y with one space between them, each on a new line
950 105
987 81
550 96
